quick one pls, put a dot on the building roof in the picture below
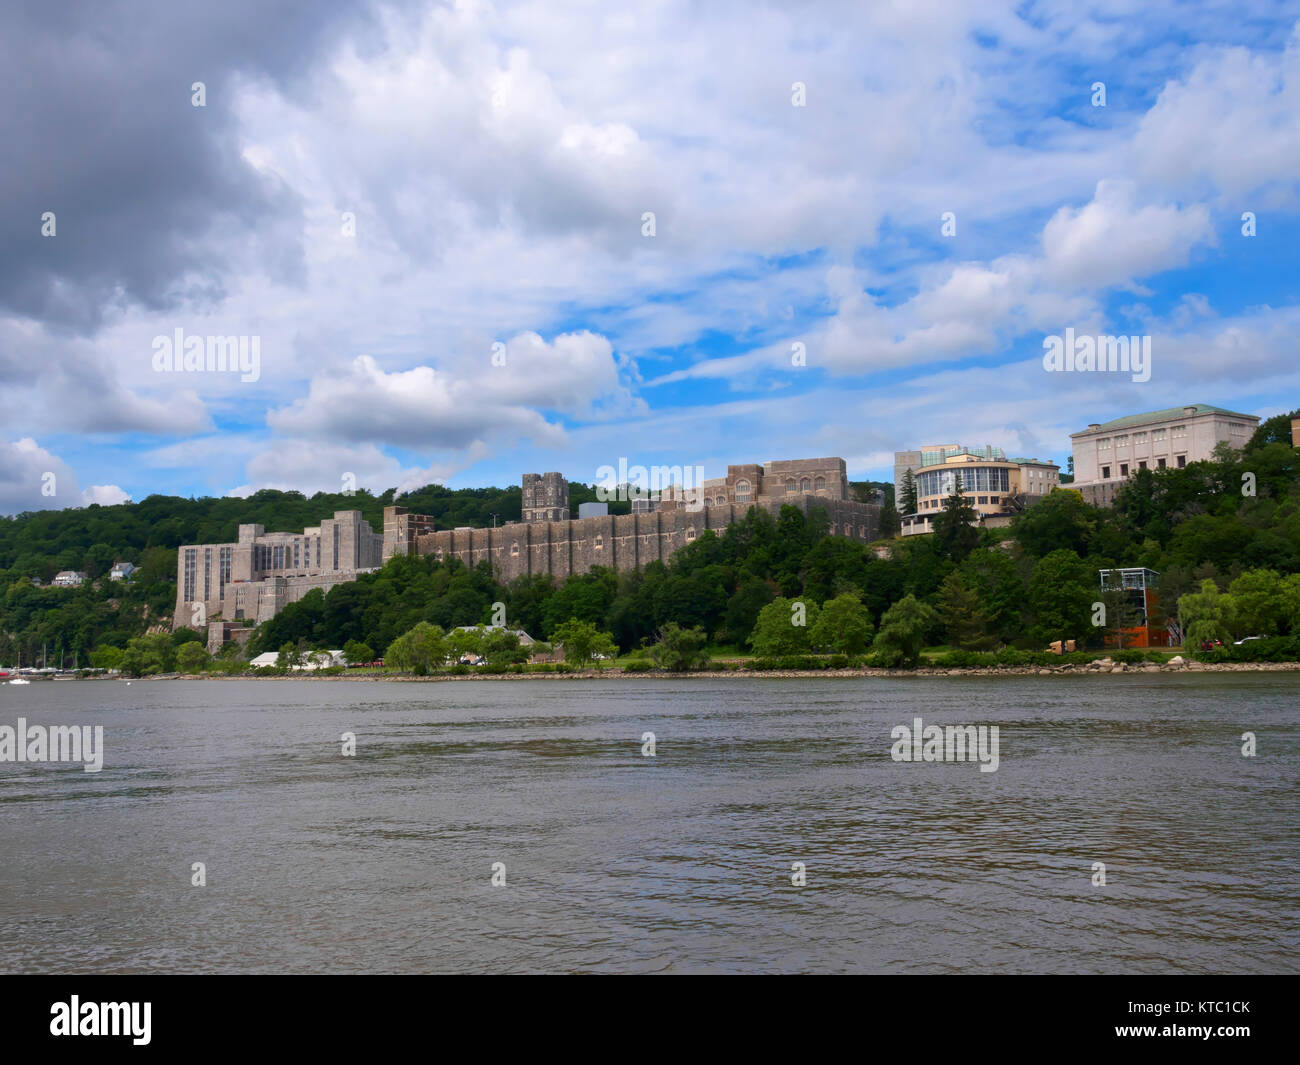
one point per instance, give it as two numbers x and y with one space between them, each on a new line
1168 415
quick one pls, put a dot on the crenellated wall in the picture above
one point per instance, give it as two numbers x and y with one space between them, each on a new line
621 541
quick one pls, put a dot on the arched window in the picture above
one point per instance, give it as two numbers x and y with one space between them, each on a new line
820 484
805 485
600 543
790 486
690 532
514 549
742 489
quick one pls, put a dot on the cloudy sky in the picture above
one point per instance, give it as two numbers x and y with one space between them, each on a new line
475 239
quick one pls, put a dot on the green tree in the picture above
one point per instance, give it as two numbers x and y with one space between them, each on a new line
955 531
966 623
583 642
192 658
679 649
783 627
1061 521
357 652
418 650
907 494
903 631
1061 592
106 657
1205 616
843 626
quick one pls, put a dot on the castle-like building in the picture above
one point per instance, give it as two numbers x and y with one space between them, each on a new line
255 577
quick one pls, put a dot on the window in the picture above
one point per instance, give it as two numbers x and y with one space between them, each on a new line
1139 438
1103 444
1142 465
1121 440
790 486
690 532
819 485
1105 473
1182 461
1160 464
742 489
1237 429
993 500
1179 431
982 499
514 549
805 485
600 543
1123 469
1158 436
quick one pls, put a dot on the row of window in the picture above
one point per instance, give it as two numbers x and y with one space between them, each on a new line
1181 461
937 504
974 479
1158 436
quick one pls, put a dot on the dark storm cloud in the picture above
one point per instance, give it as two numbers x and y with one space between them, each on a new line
149 192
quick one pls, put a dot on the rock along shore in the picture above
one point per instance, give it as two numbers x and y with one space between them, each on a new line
1099 666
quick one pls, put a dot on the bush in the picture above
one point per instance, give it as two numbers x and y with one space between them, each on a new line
1269 649
638 665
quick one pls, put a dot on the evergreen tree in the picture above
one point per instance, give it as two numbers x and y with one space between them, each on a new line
955 534
907 504
965 621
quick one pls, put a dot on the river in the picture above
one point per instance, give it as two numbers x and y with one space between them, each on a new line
681 862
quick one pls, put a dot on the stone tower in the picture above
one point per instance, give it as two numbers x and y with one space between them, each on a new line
546 497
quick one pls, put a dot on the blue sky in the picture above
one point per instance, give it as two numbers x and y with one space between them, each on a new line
497 162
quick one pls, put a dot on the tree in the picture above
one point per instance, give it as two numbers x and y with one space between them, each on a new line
890 523
907 494
999 588
903 631
501 647
583 642
106 657
1062 520
744 606
679 649
418 650
1206 616
288 656
843 625
192 658
1120 615
966 623
357 652
1061 592
955 533
782 628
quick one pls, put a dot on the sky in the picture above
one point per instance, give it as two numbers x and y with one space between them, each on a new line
472 240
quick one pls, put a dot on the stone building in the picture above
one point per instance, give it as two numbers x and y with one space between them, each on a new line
259 573
546 497
662 526
1107 455
257 576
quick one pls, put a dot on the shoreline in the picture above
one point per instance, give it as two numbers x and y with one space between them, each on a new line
1090 669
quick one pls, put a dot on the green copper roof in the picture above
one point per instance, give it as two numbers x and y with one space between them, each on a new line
1168 415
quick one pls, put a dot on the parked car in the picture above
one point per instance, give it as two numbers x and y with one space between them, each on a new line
1210 645
1245 639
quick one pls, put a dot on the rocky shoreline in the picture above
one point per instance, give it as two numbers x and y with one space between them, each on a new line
1099 666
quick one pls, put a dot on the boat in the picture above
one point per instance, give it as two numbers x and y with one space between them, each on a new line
19 680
